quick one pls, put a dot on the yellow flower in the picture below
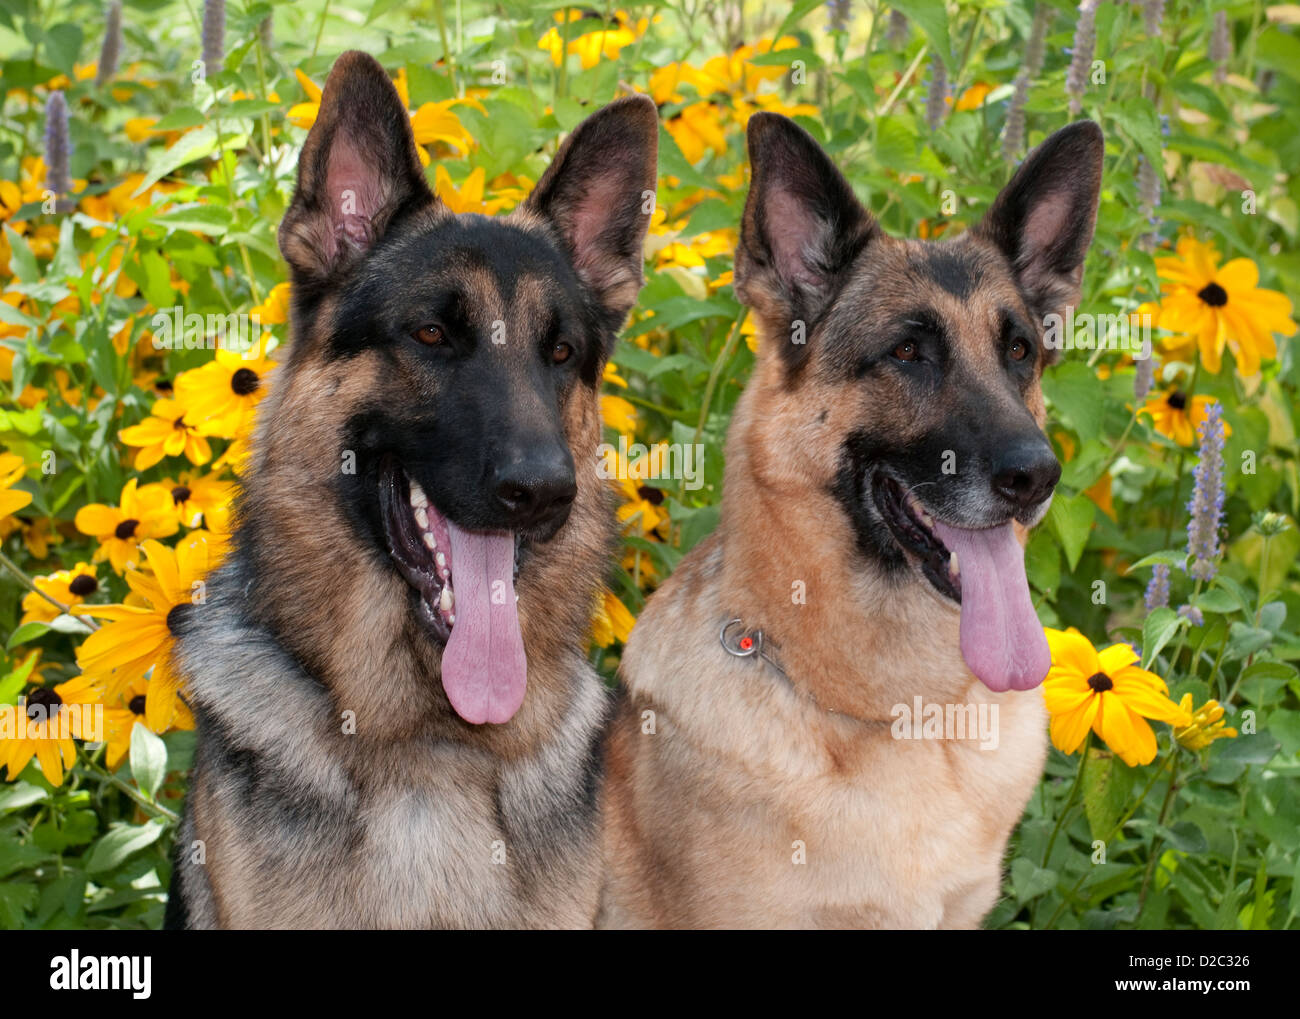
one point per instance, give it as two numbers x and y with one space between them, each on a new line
435 122
275 309
145 512
1173 418
303 115
68 587
12 469
612 621
197 497
618 413
138 637
1107 692
589 47
165 433
43 726
1205 727
697 130
973 97
1221 306
469 196
221 397
643 506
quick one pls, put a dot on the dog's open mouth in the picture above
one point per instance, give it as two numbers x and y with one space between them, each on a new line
466 586
982 569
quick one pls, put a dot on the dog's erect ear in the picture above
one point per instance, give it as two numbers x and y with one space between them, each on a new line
599 194
1044 218
802 227
358 169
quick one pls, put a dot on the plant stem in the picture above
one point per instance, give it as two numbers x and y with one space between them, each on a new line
441 17
28 583
1069 800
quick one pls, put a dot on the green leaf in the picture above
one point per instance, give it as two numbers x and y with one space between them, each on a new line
16 899
121 842
213 220
1167 557
18 795
932 16
26 632
1071 521
1259 748
1107 782
1029 880
63 45
189 147
148 759
1186 837
21 259
1158 629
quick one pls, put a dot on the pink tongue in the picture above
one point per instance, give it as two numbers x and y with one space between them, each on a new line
483 667
1001 638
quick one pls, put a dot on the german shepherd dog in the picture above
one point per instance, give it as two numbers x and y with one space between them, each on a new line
883 466
417 554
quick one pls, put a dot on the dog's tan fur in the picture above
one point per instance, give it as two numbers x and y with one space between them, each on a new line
737 797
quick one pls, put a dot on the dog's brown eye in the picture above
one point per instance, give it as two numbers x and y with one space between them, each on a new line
905 352
1019 350
430 336
561 352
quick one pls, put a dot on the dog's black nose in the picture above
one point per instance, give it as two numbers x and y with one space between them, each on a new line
535 486
1025 471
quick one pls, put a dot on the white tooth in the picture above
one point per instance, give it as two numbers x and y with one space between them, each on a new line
452 619
927 519
440 559
952 564
422 518
429 543
447 600
418 498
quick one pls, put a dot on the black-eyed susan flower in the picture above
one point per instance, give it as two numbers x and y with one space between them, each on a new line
165 433
197 496
1105 691
1176 416
67 587
44 726
12 469
143 512
1221 306
1205 727
469 196
221 397
137 640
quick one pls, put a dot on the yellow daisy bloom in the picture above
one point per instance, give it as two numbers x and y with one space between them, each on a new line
469 196
1107 692
12 469
1206 725
165 433
221 397
42 726
144 512
138 637
1221 306
618 413
69 587
197 496
1175 418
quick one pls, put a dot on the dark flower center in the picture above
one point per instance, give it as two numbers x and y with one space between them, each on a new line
126 529
653 496
1100 682
245 382
1213 295
164 386
83 584
175 617
180 494
137 704
42 704
1177 400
